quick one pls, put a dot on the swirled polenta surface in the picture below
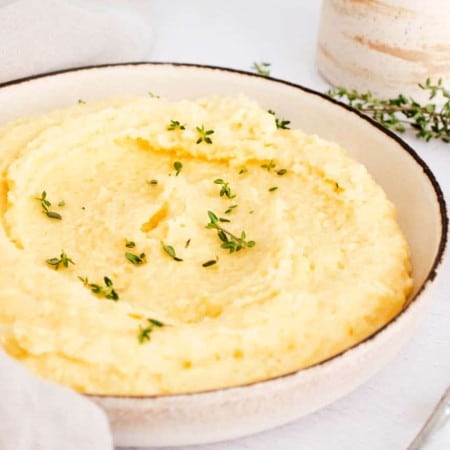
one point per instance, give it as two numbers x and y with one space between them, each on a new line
327 264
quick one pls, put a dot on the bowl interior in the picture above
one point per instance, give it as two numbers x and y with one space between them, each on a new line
403 176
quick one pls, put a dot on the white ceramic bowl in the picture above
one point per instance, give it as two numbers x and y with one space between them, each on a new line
233 412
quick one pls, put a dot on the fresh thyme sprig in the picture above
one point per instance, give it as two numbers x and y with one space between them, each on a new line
45 203
262 68
230 242
280 123
63 260
175 125
106 291
145 332
204 135
170 251
225 190
429 120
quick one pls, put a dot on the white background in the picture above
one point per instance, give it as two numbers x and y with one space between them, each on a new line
386 412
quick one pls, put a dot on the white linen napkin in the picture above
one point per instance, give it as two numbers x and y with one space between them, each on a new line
39 415
44 35
40 36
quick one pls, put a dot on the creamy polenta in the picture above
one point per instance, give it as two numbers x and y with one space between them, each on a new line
154 247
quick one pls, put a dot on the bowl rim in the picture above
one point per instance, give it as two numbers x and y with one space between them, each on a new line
439 196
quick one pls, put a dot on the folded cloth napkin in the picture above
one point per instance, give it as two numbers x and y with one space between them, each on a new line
44 35
39 415
40 36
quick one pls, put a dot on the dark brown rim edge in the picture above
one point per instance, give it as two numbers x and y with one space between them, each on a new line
406 147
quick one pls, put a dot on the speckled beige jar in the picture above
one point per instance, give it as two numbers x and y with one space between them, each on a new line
387 46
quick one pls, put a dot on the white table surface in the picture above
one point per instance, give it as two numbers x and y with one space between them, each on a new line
387 411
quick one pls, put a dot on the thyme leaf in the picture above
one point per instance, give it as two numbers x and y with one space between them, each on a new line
170 251
177 166
211 262
230 209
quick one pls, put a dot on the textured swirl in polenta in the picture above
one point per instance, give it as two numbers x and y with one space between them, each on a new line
104 225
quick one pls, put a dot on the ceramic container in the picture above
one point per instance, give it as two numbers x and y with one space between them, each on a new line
386 46
230 413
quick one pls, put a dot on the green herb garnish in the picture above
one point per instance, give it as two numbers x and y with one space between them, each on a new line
429 120
63 260
152 95
152 182
170 251
225 190
145 332
204 135
230 209
211 262
106 291
273 188
262 68
175 125
280 123
177 166
53 215
186 245
135 259
230 242
281 172
337 187
45 203
268 166
243 170
130 244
